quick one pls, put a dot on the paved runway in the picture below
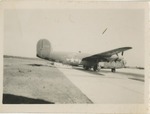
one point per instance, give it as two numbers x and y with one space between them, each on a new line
126 86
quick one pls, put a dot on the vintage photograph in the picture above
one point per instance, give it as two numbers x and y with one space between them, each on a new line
88 57
73 56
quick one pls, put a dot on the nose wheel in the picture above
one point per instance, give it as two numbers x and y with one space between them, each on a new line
113 70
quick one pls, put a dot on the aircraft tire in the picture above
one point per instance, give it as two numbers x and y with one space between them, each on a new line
86 67
113 70
95 67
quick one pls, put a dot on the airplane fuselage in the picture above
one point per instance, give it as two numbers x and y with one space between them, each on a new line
75 59
70 58
44 51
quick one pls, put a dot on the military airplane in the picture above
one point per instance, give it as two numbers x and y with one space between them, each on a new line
110 59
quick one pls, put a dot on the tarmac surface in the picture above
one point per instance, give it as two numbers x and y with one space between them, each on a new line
122 87
35 81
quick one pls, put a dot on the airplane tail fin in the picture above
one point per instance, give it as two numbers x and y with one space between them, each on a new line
43 49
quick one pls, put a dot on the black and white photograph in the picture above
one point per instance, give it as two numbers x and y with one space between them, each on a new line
74 56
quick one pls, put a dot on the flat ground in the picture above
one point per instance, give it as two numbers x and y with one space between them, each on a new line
126 86
37 81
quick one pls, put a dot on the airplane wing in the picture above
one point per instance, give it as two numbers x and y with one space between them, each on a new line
104 55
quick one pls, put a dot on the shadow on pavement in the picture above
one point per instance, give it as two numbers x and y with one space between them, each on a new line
40 65
142 80
14 99
125 73
133 76
89 71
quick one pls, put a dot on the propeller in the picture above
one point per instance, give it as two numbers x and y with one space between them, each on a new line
122 53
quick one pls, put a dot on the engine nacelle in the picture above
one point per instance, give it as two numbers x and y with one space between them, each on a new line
116 58
120 58
113 64
113 57
43 49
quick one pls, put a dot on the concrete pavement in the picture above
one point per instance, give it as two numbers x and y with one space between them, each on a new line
107 87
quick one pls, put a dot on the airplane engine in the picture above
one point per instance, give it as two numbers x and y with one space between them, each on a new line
116 58
113 64
113 57
120 58
43 49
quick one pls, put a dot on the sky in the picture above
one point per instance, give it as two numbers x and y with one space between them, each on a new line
75 30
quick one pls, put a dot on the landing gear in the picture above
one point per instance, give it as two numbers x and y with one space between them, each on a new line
86 67
113 70
96 67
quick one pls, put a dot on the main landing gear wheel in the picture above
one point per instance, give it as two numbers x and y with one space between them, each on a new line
86 67
95 67
113 70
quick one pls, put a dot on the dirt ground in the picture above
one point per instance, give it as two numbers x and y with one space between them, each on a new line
36 81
